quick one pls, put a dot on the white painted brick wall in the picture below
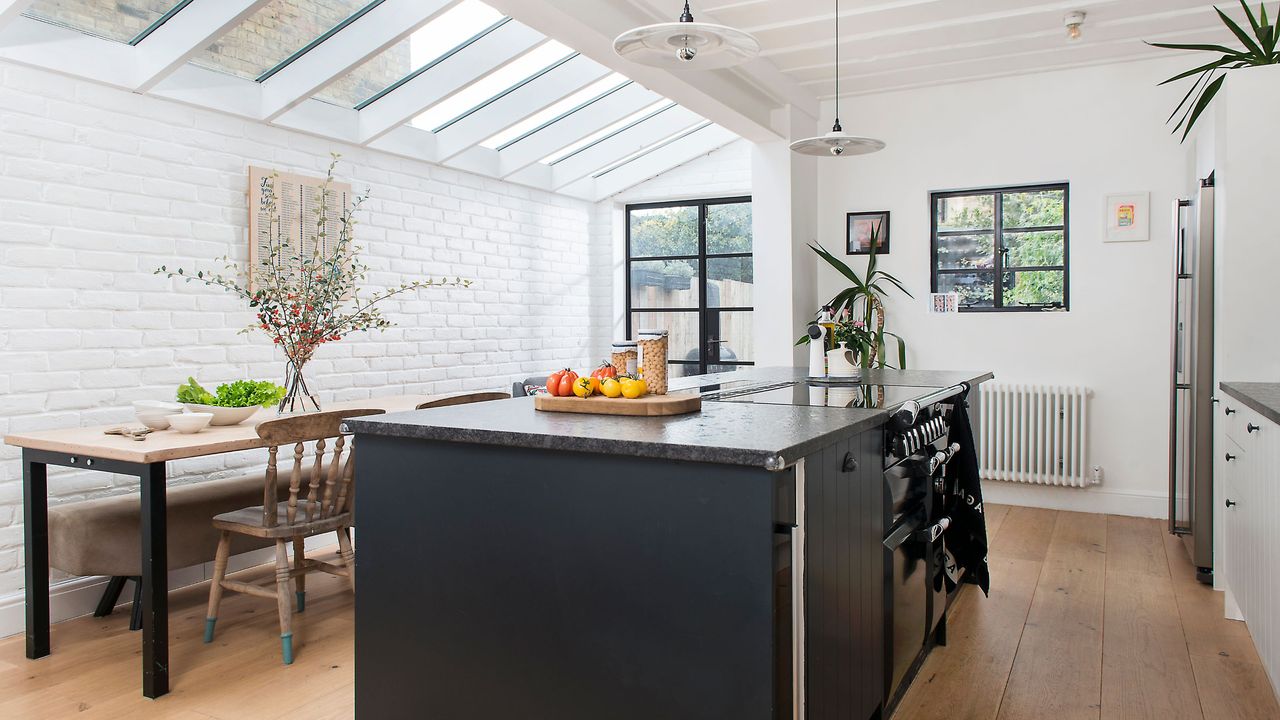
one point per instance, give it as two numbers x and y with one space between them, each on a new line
98 187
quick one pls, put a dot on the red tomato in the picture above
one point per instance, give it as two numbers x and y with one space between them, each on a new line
565 387
553 382
606 370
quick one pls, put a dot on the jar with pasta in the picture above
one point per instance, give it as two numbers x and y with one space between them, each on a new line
653 360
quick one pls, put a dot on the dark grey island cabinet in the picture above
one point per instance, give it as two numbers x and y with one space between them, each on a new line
723 565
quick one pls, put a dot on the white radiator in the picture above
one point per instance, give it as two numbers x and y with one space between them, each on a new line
1034 434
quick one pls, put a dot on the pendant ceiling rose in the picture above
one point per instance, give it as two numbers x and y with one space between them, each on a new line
687 45
837 143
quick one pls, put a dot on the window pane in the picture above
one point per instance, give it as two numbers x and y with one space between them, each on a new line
658 232
272 34
682 343
966 212
556 110
736 330
111 20
492 85
664 284
729 228
961 252
1034 249
976 289
730 282
1040 286
608 130
423 47
1041 208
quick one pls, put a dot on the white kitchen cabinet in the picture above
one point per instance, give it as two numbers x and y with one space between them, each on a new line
1250 485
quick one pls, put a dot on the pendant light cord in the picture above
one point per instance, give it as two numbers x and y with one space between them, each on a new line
837 127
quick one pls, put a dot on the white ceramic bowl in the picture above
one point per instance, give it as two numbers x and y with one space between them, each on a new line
224 415
156 405
154 419
187 423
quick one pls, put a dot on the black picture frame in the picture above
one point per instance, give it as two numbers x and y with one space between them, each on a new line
854 241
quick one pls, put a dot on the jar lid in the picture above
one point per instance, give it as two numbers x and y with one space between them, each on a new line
625 343
653 333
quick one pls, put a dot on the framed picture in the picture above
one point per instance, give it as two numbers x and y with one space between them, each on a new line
944 303
859 227
1128 217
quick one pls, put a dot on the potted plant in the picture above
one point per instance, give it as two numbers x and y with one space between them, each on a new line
304 300
1259 49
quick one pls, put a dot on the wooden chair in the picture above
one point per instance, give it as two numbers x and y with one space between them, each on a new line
465 399
325 507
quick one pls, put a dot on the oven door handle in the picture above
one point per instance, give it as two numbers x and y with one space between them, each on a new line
903 532
935 531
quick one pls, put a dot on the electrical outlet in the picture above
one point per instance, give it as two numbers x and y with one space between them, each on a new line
1097 474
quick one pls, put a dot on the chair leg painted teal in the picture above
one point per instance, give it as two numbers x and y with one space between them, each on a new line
215 587
284 591
299 567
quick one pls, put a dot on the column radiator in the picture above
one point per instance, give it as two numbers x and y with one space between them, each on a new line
1034 434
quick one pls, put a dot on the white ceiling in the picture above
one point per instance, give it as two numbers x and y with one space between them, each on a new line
897 44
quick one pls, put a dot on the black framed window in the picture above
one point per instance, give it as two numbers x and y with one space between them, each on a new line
690 272
1002 249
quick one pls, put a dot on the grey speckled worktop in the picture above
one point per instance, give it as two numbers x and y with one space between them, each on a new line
1261 397
768 436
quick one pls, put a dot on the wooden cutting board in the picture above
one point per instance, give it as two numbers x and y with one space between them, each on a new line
647 406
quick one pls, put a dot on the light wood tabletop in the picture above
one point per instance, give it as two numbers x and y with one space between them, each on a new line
164 445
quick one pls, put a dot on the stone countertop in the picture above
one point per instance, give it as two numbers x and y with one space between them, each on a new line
767 436
1261 397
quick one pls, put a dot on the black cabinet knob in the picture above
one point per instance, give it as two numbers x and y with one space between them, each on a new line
1230 457
1231 503
1252 428
1229 411
850 463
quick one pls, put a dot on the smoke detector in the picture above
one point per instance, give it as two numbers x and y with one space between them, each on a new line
1073 21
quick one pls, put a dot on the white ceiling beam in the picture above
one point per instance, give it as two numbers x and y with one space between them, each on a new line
11 9
647 166
566 131
206 88
517 104
445 78
184 35
740 99
385 25
317 117
632 140
51 47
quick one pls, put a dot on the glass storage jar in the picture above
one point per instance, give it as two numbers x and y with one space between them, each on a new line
625 357
653 360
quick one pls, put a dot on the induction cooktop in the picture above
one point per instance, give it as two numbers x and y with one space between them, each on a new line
808 394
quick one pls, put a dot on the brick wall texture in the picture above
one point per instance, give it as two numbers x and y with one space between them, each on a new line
99 186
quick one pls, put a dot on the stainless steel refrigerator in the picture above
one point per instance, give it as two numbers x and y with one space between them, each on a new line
1191 417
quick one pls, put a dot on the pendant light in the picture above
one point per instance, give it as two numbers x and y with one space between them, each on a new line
686 44
837 142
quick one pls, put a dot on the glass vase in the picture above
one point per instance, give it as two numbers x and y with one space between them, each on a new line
297 398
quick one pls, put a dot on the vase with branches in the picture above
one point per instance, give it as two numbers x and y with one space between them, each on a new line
1259 42
858 310
307 293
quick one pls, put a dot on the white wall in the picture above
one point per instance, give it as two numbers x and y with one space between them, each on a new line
100 186
1101 129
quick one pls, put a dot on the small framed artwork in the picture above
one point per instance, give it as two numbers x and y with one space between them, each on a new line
944 303
861 227
1128 217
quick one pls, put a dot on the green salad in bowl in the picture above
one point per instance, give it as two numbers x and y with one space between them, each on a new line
232 403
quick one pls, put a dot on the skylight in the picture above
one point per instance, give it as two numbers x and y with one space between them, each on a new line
557 111
515 73
113 21
611 130
278 32
650 148
458 26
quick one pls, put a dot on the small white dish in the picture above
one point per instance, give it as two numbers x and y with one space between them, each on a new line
224 415
148 406
154 419
187 423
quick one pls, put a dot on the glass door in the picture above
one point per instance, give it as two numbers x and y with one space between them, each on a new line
690 272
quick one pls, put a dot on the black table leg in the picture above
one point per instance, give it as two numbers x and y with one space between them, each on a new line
35 518
155 583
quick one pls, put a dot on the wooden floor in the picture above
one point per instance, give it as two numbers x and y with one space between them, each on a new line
1090 616
1093 617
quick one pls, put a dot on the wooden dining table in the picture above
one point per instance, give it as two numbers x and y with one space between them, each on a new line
89 448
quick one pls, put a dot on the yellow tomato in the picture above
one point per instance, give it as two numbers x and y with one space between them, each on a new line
634 389
584 387
611 388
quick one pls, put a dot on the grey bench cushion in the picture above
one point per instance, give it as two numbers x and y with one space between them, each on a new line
103 536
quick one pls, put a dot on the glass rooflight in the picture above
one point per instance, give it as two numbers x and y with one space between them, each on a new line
609 131
110 20
557 111
492 86
452 30
277 34
651 148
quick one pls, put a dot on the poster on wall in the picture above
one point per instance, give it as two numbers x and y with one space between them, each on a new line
1128 217
944 303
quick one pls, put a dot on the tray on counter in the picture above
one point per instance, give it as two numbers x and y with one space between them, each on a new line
647 406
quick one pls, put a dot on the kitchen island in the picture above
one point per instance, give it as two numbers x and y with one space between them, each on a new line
725 564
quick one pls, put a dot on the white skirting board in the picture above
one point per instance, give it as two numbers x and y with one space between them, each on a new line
1092 499
78 597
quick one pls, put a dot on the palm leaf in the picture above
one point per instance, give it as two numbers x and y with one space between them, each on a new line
1253 21
1239 31
1205 97
1196 46
1226 59
839 265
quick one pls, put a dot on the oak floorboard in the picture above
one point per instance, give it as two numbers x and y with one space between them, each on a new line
1232 689
1057 672
995 515
1136 546
1024 534
1207 629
